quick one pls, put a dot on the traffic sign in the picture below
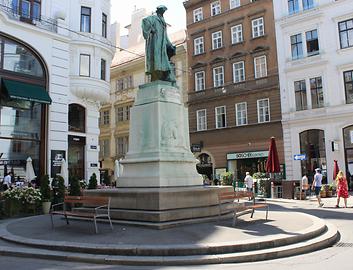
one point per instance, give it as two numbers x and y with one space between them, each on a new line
300 157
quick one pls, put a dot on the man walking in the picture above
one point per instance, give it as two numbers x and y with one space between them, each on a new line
317 183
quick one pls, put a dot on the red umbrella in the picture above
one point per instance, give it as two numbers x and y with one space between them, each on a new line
335 169
272 164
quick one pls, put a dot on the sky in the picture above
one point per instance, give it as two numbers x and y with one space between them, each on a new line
175 15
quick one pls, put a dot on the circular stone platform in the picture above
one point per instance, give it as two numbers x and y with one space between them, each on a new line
284 234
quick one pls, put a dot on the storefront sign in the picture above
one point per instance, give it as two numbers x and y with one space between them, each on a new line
94 165
246 155
56 160
195 148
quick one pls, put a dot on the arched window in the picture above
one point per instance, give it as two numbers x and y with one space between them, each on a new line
312 144
77 118
15 57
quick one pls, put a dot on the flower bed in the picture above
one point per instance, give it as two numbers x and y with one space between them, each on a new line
21 200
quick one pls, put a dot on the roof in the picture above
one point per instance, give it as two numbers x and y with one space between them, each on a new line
138 51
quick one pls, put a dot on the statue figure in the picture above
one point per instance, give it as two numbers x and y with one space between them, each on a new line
159 49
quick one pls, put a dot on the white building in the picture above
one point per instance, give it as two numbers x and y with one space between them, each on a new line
54 70
315 54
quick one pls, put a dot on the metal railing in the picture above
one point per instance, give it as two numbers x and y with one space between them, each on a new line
13 13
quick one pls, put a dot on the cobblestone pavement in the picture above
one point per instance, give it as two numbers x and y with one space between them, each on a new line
337 256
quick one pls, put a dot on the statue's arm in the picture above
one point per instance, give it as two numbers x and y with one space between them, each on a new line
147 27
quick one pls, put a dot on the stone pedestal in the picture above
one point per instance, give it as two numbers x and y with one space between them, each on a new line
159 147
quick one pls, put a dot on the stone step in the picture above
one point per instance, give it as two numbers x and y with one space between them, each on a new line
328 238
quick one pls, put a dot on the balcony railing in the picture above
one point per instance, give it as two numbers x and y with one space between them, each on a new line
45 23
235 89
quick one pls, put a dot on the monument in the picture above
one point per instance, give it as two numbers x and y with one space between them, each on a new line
160 186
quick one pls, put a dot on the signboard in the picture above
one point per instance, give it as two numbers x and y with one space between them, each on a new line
93 147
300 157
94 165
246 155
334 146
55 161
195 148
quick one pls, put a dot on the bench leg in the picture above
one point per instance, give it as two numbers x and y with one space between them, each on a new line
67 220
111 224
235 219
95 224
267 211
52 221
252 213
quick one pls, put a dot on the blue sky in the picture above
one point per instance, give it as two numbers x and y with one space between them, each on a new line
175 15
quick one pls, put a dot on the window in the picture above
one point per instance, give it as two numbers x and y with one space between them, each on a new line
104 148
308 4
260 64
234 3
124 83
312 42
85 63
317 95
263 110
221 117
241 114
348 82
346 33
77 118
238 72
122 114
218 76
217 40
258 28
85 19
103 69
300 95
27 9
104 25
293 6
201 119
198 46
200 81
198 15
296 46
237 33
122 145
106 117
215 8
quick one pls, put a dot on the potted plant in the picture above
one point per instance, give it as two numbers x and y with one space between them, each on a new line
75 188
323 192
58 186
45 191
227 179
92 184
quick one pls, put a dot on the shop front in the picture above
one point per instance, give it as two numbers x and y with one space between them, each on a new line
242 162
23 108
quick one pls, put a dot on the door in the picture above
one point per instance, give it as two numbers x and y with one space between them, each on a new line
76 156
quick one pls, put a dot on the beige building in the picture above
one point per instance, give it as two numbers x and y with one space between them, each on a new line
127 73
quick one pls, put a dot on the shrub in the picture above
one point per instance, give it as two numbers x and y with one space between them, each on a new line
44 188
227 179
92 182
106 179
75 189
58 185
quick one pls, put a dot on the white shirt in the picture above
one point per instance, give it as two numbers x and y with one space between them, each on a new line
248 181
317 180
7 180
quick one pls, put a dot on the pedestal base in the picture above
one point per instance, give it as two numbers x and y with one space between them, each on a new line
162 208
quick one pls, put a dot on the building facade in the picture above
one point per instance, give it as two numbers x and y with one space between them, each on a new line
127 73
315 51
234 98
54 70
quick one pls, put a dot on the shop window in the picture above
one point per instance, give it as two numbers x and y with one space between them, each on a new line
77 118
312 144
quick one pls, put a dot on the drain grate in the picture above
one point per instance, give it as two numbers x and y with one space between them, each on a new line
345 245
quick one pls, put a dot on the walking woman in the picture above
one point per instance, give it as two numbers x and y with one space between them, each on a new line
342 189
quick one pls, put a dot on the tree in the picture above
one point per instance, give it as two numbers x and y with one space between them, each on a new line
92 182
75 189
44 188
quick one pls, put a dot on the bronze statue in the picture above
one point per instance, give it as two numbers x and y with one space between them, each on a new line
159 49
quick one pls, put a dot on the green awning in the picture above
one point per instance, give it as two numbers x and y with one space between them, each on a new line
26 91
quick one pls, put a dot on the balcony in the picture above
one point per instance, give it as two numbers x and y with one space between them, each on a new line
233 89
42 22
90 88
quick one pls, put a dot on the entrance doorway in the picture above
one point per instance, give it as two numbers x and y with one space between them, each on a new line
76 156
348 147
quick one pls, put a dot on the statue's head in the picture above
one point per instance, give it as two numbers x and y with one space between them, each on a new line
161 9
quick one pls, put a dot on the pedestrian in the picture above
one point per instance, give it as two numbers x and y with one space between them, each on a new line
248 180
342 189
7 181
317 183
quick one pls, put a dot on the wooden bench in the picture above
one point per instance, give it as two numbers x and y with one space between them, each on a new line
248 202
100 205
